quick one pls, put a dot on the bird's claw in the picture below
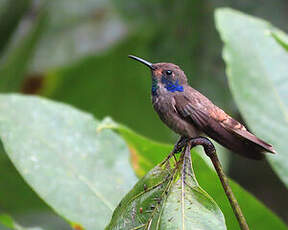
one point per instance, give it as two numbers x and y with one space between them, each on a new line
180 144
177 148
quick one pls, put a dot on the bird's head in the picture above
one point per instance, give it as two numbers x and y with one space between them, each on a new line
168 74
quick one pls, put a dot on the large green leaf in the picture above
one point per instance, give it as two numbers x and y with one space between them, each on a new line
58 151
258 76
168 197
146 153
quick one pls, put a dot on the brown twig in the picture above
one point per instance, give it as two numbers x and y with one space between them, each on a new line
211 153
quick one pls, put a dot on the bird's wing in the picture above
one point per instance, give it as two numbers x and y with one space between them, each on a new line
213 121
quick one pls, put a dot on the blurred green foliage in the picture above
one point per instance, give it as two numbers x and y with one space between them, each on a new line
11 12
18 58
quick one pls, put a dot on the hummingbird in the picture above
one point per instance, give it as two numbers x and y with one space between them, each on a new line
189 113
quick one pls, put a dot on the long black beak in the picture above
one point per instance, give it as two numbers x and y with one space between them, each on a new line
147 63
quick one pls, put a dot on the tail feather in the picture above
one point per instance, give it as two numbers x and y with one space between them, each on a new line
247 135
240 141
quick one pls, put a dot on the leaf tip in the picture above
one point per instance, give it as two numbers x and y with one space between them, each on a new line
106 123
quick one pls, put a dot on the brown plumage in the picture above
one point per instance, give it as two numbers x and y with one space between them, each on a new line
189 113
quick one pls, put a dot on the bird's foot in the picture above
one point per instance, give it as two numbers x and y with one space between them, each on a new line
180 144
178 147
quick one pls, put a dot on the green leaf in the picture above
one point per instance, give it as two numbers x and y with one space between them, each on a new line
6 220
11 13
58 151
12 71
168 198
257 72
145 155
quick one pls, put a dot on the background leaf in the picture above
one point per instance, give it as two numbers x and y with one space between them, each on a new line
75 30
258 76
15 64
11 13
60 154
6 220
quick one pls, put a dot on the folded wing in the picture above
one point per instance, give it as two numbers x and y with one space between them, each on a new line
216 124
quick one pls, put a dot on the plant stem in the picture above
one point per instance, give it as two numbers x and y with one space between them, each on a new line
211 153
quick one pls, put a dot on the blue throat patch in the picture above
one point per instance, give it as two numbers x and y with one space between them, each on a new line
171 86
154 87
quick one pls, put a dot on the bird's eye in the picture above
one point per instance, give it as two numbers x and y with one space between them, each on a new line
168 72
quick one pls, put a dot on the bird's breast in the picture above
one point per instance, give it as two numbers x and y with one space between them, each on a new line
164 105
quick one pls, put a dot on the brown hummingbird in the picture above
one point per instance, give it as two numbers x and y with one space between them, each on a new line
189 113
